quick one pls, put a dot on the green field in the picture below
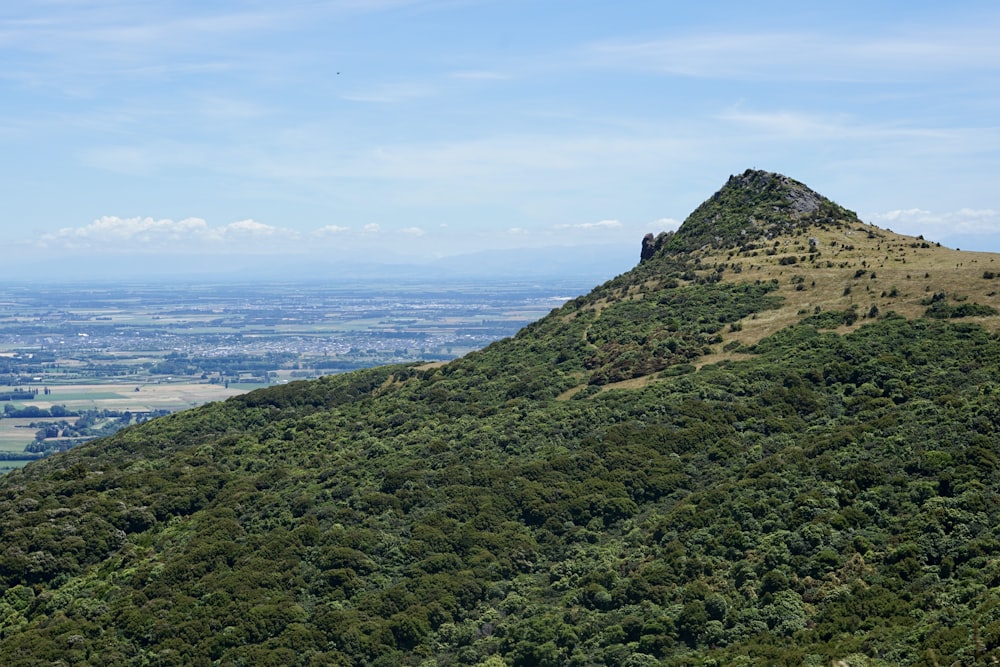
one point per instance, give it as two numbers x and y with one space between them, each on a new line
57 396
14 435
176 395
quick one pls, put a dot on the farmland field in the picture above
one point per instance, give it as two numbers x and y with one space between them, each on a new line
80 361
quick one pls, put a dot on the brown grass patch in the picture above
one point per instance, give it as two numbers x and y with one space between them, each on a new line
430 365
861 267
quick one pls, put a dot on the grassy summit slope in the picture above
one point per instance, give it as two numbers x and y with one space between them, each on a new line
774 441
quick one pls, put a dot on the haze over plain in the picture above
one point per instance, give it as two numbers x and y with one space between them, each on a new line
309 138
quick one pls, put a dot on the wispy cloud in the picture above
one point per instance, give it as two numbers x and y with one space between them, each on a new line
147 157
916 221
600 224
895 144
666 224
121 159
85 44
524 154
807 55
815 126
90 31
823 127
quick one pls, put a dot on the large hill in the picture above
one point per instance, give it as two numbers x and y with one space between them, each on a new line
772 442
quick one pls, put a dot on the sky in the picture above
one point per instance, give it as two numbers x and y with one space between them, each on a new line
177 135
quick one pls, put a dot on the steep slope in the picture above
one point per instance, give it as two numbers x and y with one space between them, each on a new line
772 442
752 209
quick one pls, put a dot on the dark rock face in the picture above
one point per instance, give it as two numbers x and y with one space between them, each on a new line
652 244
648 247
804 200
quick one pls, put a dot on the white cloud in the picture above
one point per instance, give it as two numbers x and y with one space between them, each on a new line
254 228
111 229
371 228
413 231
600 224
111 233
331 229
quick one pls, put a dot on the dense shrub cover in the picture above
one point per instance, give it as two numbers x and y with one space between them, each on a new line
828 497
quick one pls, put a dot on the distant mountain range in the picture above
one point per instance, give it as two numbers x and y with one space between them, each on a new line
775 440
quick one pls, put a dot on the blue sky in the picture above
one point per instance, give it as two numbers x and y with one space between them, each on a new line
341 130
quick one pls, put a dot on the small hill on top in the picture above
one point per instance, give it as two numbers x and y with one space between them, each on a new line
775 441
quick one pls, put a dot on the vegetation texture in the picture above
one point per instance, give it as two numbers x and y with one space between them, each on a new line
698 463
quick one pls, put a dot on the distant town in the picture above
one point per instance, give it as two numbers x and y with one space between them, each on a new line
78 362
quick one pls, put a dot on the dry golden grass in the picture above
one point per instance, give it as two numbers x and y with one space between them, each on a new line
429 365
571 392
632 383
860 266
15 433
163 396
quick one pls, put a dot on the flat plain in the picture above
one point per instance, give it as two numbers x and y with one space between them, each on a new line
122 353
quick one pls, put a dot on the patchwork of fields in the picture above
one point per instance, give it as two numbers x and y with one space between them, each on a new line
107 356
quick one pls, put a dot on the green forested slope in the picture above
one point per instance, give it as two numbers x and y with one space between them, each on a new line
588 492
